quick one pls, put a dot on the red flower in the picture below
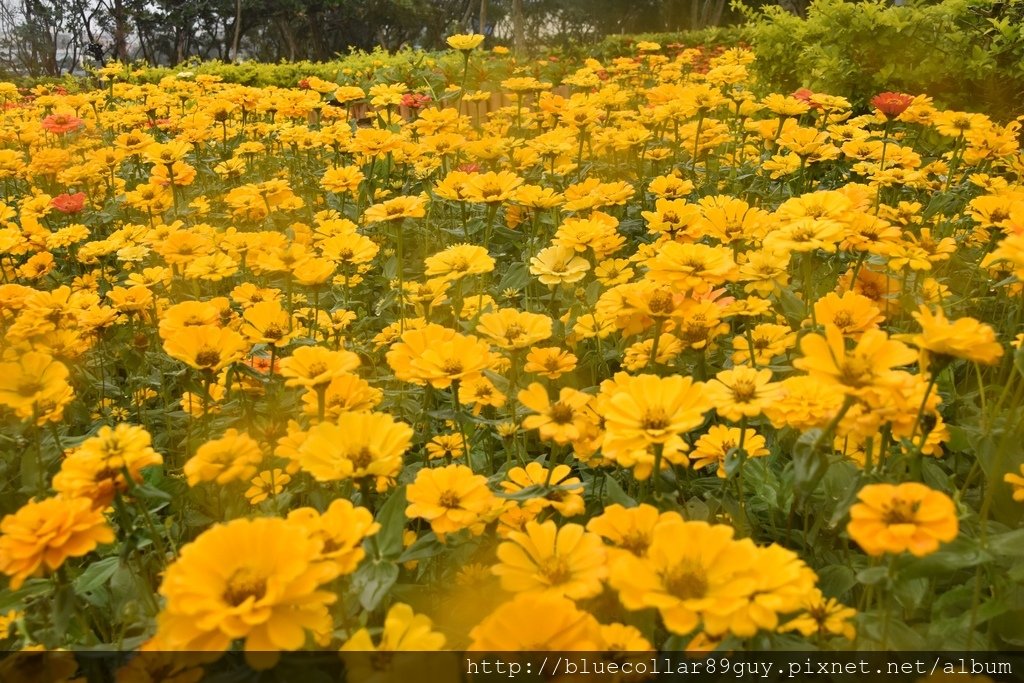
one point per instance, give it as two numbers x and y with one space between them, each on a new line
69 203
58 124
470 168
304 84
803 94
415 100
892 104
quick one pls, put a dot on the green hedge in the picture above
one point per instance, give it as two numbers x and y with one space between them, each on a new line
967 54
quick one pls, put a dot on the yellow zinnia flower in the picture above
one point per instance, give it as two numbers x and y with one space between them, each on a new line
450 498
545 559
45 533
257 580
896 518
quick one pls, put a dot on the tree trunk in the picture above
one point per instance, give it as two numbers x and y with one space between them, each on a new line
483 17
238 31
120 47
289 37
518 29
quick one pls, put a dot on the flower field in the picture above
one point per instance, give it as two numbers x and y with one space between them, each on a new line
671 361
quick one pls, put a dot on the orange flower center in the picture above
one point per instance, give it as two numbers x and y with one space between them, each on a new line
655 419
901 512
449 499
207 358
362 459
556 570
242 585
687 582
561 413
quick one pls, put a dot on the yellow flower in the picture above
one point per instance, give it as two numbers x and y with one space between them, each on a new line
851 313
964 338
491 188
556 488
896 518
35 385
257 580
648 410
551 362
558 265
345 393
515 626
342 528
439 356
456 262
464 41
268 323
396 209
450 498
866 366
448 446
266 484
510 328
741 392
207 347
95 469
343 179
47 532
713 447
560 421
629 530
233 457
692 570
403 631
1016 481
316 367
543 558
357 445
823 616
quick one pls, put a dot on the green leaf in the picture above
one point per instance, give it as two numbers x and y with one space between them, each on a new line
426 546
391 518
835 580
97 574
1010 544
809 460
872 575
150 492
372 581
614 493
16 599
959 554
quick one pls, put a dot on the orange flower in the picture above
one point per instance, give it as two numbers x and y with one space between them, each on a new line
69 203
47 532
894 519
58 124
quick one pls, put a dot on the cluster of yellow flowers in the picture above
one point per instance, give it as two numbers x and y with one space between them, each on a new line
642 340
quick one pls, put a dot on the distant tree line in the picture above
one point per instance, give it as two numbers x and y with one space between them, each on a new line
51 37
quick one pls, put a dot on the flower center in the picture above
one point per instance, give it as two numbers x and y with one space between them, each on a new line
556 570
901 512
655 419
362 459
561 413
207 358
744 391
243 585
449 499
687 582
